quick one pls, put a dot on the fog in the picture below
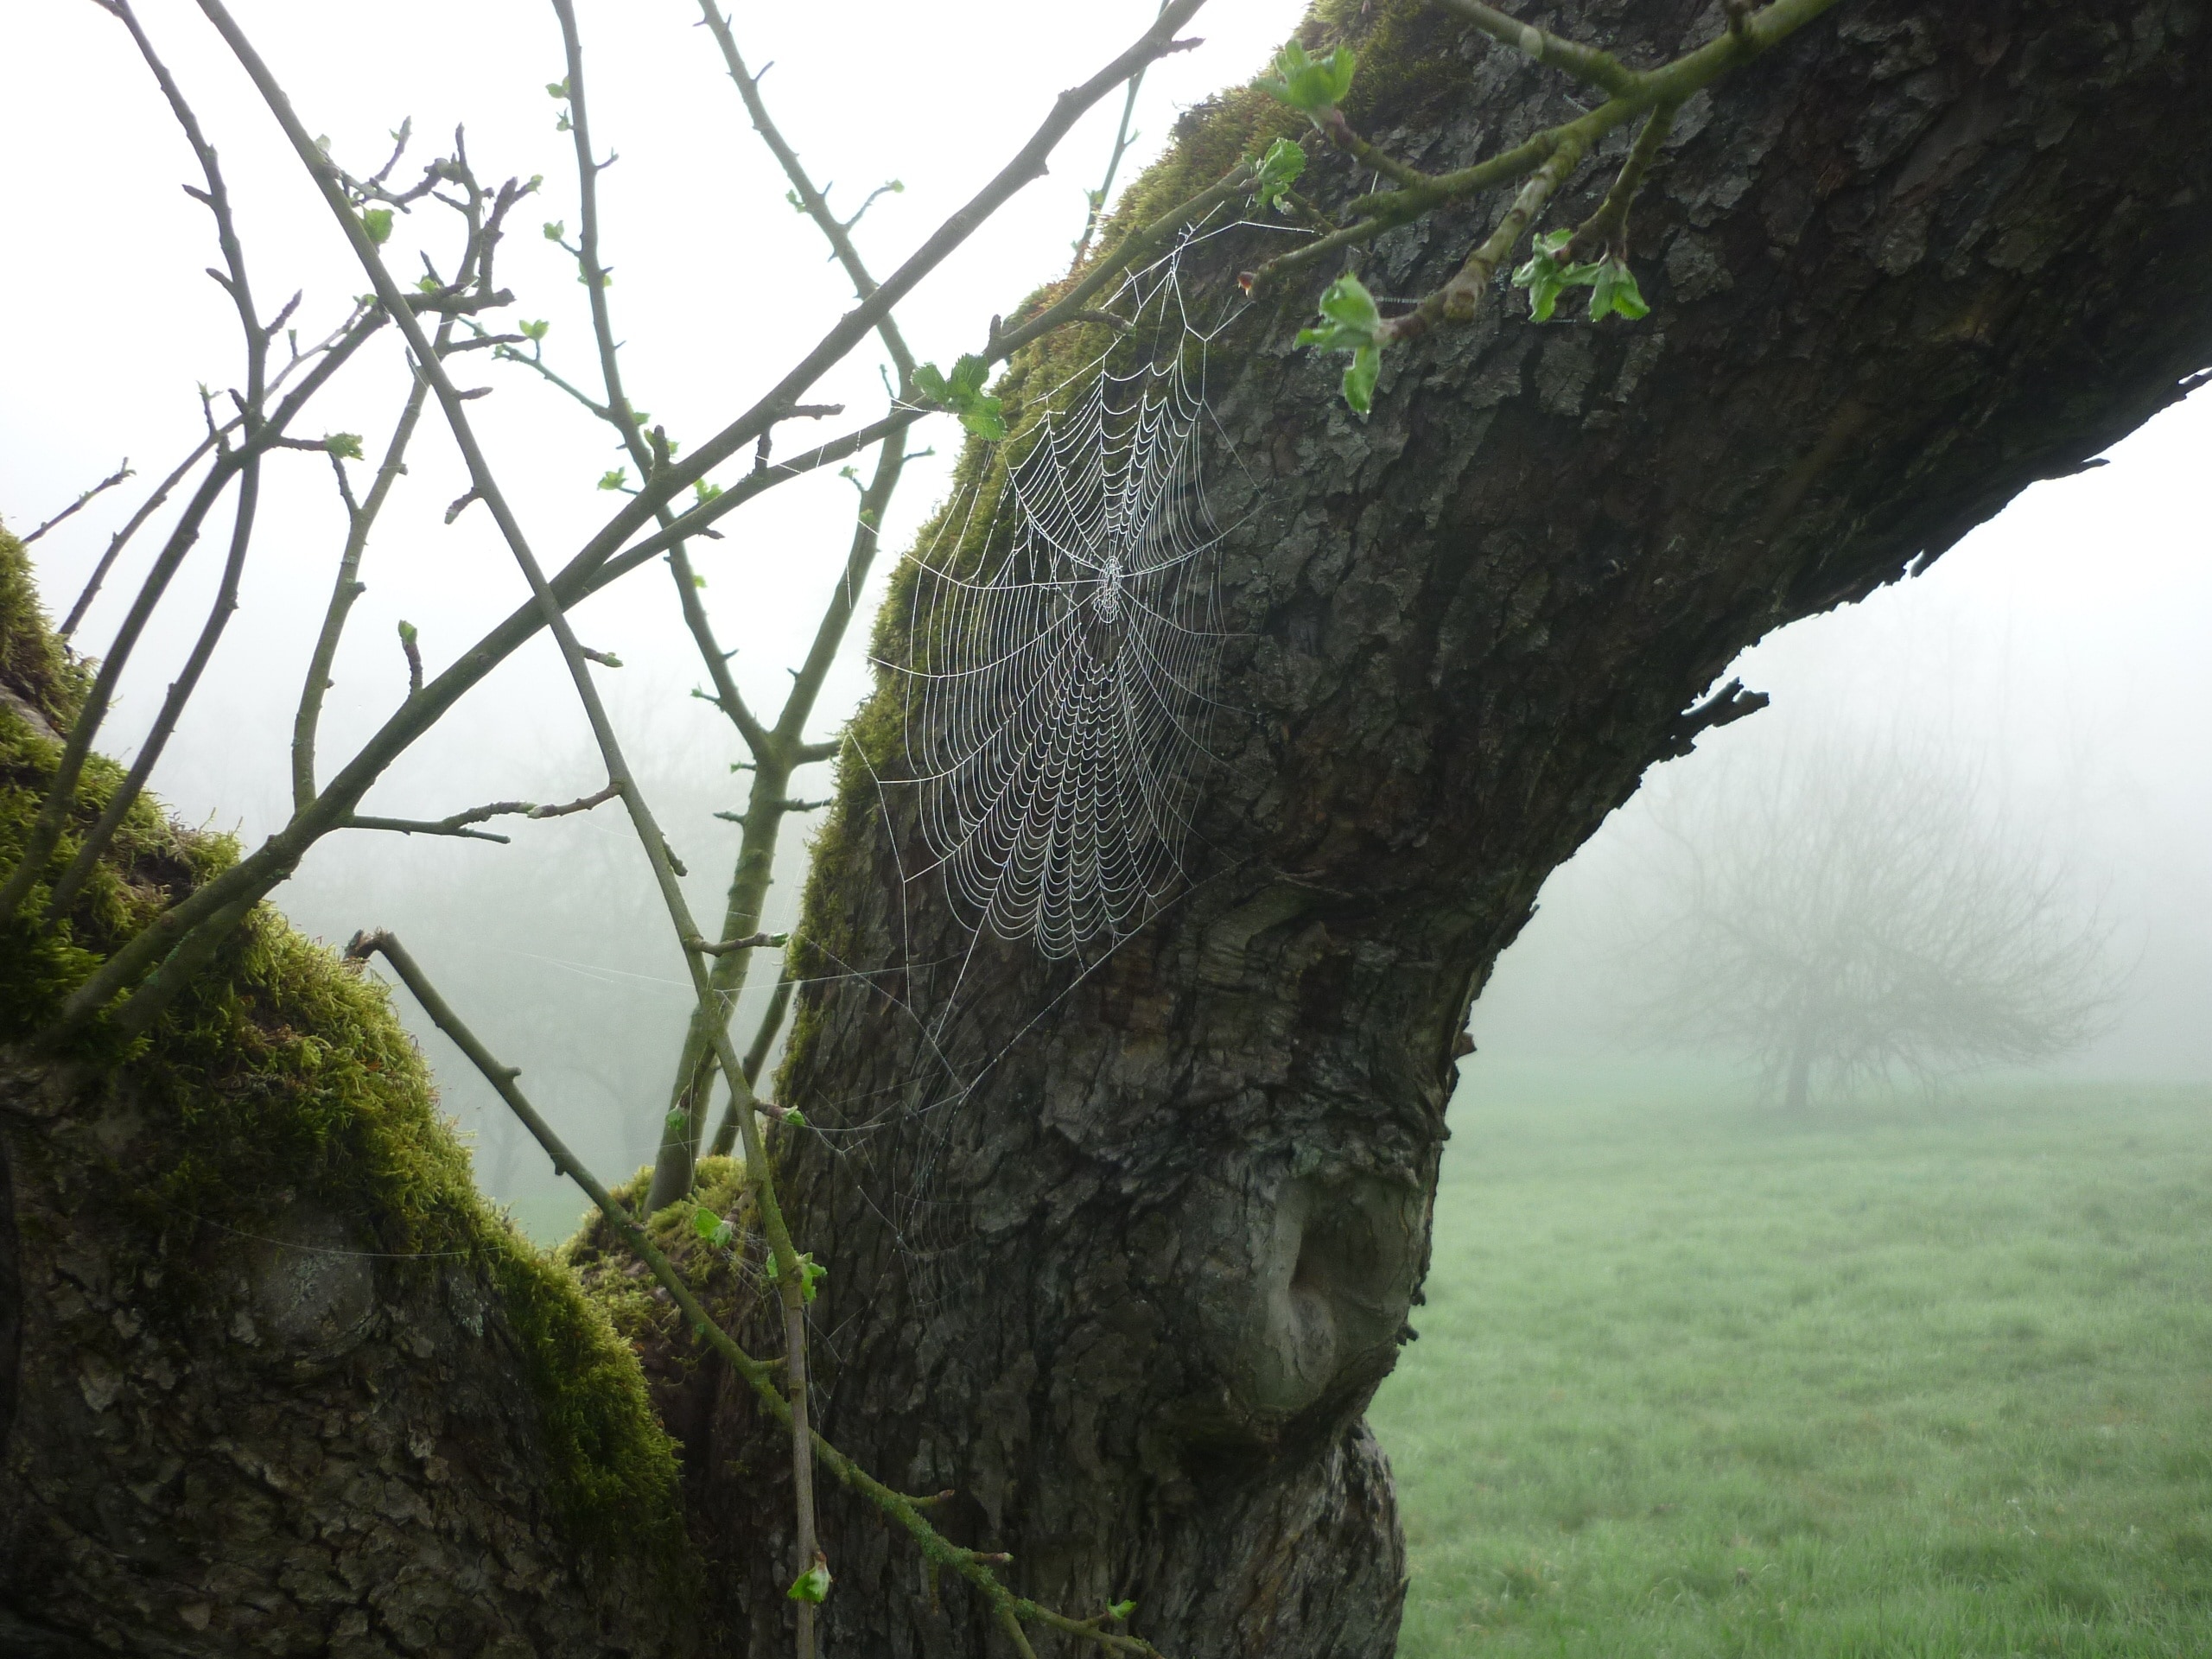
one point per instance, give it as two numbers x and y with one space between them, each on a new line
2059 650
2058 655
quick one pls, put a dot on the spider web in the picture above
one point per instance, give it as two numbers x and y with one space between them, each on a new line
1064 647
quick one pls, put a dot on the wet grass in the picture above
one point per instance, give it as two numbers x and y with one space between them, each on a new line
1694 1379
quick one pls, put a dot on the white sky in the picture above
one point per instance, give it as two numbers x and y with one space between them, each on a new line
2069 635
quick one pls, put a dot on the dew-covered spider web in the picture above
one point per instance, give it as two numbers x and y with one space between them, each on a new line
1064 645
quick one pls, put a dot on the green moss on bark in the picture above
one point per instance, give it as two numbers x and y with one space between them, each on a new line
282 1075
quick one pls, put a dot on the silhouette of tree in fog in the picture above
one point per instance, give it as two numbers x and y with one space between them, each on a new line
1858 914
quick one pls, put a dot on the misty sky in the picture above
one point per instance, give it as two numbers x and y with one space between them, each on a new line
2062 647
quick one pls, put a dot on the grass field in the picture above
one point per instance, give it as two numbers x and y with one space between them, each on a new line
1694 1379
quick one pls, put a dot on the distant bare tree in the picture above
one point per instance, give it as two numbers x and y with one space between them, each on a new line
1863 912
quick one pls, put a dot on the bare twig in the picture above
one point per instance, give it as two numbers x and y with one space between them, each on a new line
750 942
1634 92
1102 196
348 588
1600 69
211 904
173 702
583 803
975 1565
76 506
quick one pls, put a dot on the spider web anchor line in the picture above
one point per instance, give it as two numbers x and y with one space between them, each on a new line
1064 646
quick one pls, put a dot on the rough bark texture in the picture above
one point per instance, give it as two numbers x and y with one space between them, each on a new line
1126 1288
272 1378
287 1444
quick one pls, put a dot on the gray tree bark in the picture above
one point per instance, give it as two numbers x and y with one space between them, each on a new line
1127 1288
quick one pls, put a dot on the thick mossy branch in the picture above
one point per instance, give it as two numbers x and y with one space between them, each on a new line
282 1075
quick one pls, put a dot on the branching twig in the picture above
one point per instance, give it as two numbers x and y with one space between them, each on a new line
1600 69
348 588
1633 93
975 1565
1104 194
76 506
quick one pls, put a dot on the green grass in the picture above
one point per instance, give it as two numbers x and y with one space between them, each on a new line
1694 1379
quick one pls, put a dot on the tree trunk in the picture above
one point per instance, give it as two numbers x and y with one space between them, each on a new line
1119 1253
1797 1085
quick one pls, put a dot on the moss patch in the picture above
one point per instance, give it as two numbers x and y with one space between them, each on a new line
282 1074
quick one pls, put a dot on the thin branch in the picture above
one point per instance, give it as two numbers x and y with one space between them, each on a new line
1373 156
1606 232
975 1565
180 693
1640 91
838 232
583 803
750 942
259 434
1456 301
1104 194
153 503
348 588
76 506
772 1021
454 826
274 860
1600 69
1028 163
792 1278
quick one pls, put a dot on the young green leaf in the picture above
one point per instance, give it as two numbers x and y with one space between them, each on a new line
377 223
966 377
1351 321
615 479
705 491
1275 172
813 1584
1360 376
1315 85
985 417
1120 1610
555 229
346 446
705 1221
557 88
535 330
962 392
1614 292
407 633
794 1117
1544 274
